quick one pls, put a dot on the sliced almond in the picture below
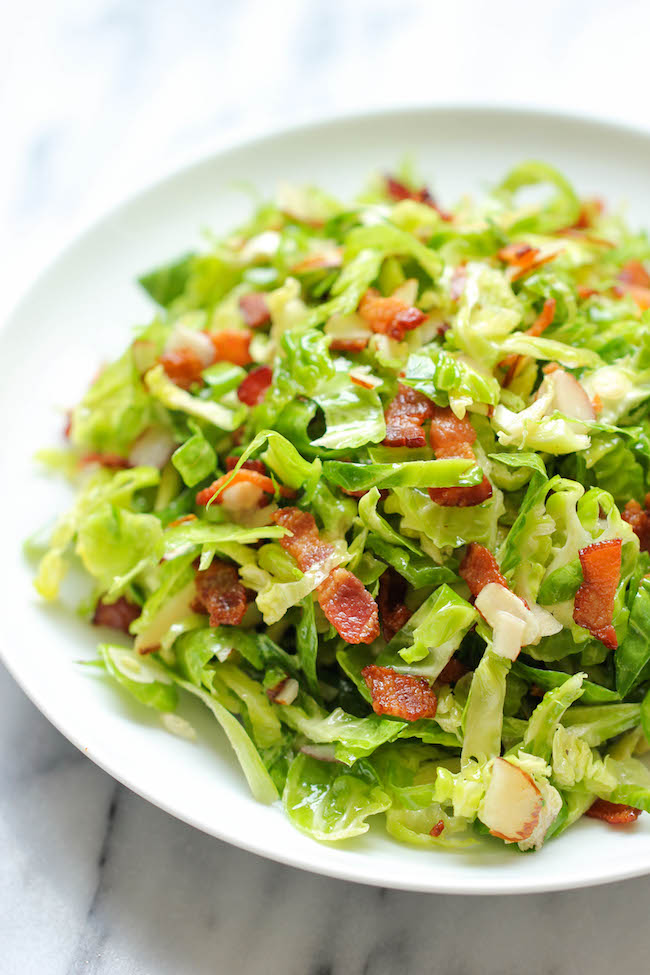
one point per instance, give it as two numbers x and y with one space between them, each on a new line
512 804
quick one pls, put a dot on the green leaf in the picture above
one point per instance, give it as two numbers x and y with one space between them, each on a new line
195 459
416 473
521 459
548 680
168 282
330 802
633 654
307 644
142 677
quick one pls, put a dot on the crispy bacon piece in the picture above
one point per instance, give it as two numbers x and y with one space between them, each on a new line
479 567
513 363
248 465
232 345
594 602
255 310
341 344
349 607
392 610
639 519
118 615
389 316
451 437
584 292
635 282
182 521
405 416
113 461
304 543
252 389
452 672
634 273
614 813
523 258
437 829
320 262
400 191
243 476
346 603
220 594
183 366
400 695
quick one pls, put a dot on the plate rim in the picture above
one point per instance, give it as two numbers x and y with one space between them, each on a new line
112 209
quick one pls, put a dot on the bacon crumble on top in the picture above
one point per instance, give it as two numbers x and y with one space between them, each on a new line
437 829
248 465
349 607
118 615
244 475
220 594
639 520
514 363
479 567
399 695
255 310
404 418
635 282
594 601
232 345
183 366
346 603
389 316
523 258
452 672
253 387
614 813
451 437
397 190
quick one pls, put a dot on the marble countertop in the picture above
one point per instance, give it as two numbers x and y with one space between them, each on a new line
98 96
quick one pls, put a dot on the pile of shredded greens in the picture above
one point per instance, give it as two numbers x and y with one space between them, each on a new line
371 485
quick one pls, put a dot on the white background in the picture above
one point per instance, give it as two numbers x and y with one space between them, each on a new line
98 97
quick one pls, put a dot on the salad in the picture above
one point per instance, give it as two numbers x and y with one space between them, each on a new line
372 486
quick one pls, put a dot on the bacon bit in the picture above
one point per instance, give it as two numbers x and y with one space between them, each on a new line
383 493
392 610
232 345
584 292
634 273
523 258
304 543
112 461
252 389
452 672
67 429
348 345
635 282
182 521
349 607
451 437
594 602
405 416
320 262
437 829
589 209
183 366
458 282
118 615
220 593
243 476
614 813
254 309
479 567
398 191
400 695
639 520
597 404
536 691
389 316
514 363
248 465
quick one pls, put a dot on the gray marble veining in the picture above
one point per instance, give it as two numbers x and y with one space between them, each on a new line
96 95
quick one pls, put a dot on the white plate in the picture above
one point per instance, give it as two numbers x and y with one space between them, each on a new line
81 310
